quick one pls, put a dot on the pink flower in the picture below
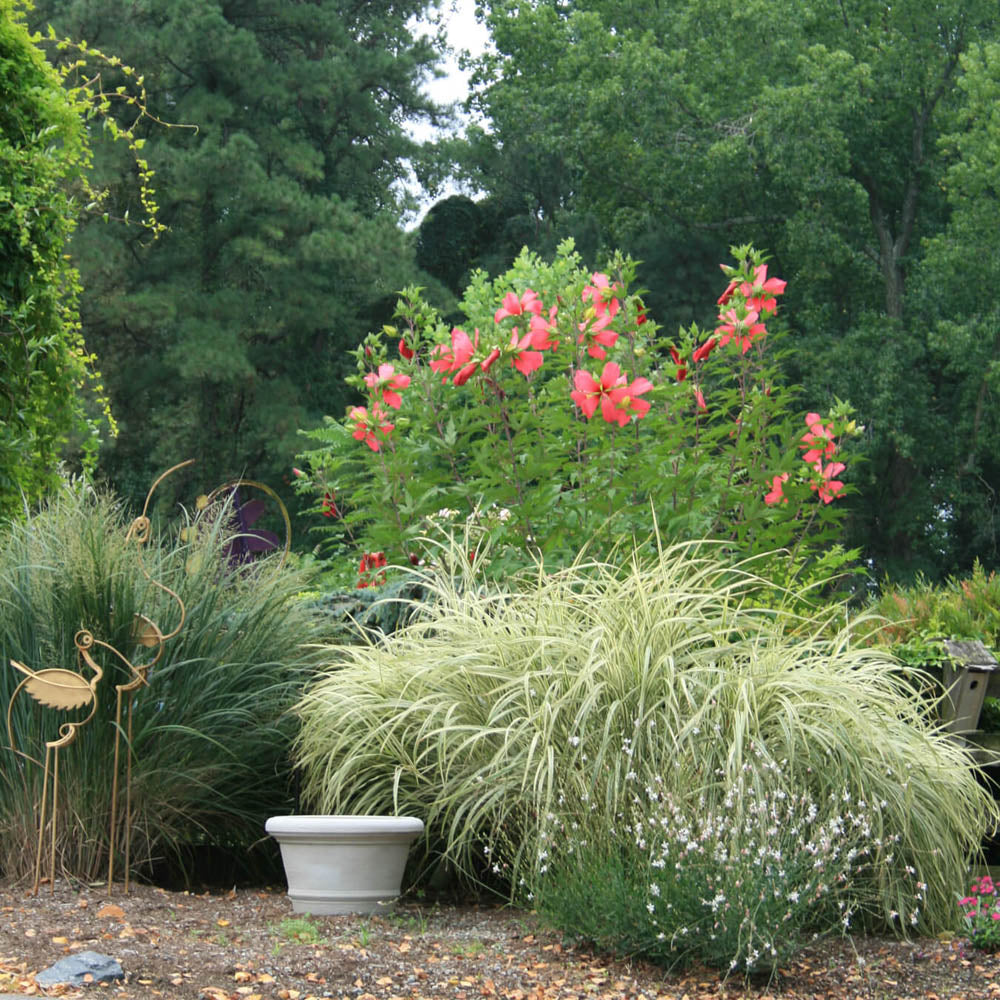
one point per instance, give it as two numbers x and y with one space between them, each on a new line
600 337
699 399
617 399
541 328
829 487
760 293
525 361
514 306
817 442
388 382
405 351
743 330
777 494
457 356
601 296
366 425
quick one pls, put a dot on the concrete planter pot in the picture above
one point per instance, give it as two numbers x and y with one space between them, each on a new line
344 864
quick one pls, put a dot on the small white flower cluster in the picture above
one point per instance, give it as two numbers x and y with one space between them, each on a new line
752 871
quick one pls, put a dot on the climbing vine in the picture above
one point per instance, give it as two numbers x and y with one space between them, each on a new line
52 398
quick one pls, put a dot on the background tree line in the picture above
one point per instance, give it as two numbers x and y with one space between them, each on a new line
858 141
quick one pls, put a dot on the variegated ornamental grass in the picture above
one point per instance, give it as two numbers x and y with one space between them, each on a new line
477 716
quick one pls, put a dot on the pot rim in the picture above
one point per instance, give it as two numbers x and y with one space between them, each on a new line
343 824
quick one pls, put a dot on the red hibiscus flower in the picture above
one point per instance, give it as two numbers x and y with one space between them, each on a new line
368 576
701 353
329 508
817 442
744 330
388 382
828 487
760 293
777 495
514 306
525 361
455 357
601 296
541 328
368 425
682 372
617 399
727 294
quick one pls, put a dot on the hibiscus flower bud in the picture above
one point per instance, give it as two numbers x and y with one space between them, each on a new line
466 373
490 358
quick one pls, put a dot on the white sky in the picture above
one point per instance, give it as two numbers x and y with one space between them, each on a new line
464 32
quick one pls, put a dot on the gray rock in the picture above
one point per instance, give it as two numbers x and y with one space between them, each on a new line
81 969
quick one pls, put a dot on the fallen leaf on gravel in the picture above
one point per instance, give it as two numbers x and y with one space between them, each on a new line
112 911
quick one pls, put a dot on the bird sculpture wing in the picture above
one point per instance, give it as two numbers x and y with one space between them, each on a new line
56 688
146 632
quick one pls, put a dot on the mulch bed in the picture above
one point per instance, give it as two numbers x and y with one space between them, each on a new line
247 945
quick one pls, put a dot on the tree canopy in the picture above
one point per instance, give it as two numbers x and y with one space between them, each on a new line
818 131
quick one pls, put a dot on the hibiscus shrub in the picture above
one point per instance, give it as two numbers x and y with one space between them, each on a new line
559 413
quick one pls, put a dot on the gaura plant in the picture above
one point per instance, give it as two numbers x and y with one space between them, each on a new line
559 413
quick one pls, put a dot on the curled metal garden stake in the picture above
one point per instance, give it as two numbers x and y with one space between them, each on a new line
146 633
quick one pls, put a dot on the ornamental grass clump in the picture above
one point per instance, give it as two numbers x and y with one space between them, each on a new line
211 731
481 714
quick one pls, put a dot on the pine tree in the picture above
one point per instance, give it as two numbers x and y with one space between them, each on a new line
278 179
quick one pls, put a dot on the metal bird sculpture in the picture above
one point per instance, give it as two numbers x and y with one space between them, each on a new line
56 687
